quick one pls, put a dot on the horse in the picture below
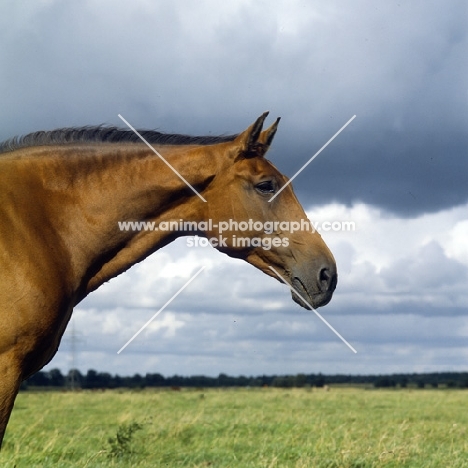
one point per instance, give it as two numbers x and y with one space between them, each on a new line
63 193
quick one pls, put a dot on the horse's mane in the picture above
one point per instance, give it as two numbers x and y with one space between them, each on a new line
105 134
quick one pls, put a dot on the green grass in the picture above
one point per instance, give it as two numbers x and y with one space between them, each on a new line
298 428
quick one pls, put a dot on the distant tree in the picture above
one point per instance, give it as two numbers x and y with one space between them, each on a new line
384 382
106 380
223 379
286 381
137 381
74 378
463 383
39 379
118 381
277 382
300 380
92 379
56 378
155 380
255 382
317 380
242 381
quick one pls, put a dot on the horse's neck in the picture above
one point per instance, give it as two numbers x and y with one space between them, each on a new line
110 184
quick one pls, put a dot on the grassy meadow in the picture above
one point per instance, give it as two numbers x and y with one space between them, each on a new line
343 427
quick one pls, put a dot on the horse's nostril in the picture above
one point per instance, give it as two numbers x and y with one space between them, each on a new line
324 274
328 279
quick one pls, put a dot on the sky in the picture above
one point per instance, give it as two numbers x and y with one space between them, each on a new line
398 172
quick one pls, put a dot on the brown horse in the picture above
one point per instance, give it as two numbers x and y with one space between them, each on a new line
63 193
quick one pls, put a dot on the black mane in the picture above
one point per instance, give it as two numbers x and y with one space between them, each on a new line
105 134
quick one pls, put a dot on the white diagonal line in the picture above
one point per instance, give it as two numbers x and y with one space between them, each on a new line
160 310
313 310
312 158
164 160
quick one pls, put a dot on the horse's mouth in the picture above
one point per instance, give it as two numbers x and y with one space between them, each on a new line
306 299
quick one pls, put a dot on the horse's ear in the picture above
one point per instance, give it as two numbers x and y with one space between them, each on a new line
266 137
253 142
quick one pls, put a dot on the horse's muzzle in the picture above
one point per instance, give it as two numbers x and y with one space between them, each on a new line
315 292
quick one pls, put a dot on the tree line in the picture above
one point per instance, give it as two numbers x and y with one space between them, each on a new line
104 380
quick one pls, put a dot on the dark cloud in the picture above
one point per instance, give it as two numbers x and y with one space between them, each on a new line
405 172
400 68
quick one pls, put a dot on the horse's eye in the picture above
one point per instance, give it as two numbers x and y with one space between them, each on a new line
266 187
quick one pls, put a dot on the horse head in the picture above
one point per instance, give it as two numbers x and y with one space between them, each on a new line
263 231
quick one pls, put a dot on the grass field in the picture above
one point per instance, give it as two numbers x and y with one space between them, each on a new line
239 428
